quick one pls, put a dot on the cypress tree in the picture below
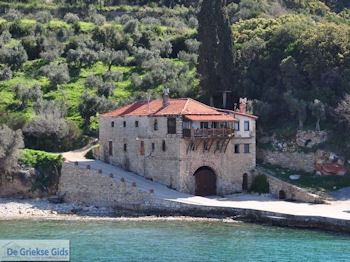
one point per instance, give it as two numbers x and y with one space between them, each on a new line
215 52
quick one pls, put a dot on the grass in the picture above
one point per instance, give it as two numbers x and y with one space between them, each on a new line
311 182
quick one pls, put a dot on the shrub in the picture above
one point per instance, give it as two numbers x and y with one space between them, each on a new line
113 76
43 17
19 29
5 37
12 15
93 81
193 22
89 154
48 165
71 18
5 73
32 47
131 26
163 47
260 184
106 89
10 142
98 19
51 50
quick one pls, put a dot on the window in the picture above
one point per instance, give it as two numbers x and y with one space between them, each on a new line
155 124
171 125
236 126
110 148
136 123
112 124
204 125
153 147
142 148
246 148
125 147
124 123
215 125
237 149
246 125
163 146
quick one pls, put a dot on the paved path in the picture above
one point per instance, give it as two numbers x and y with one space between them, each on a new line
335 209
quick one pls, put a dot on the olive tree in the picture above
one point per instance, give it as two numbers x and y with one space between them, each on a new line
5 73
52 50
10 142
110 57
15 56
296 107
25 94
318 110
5 37
56 73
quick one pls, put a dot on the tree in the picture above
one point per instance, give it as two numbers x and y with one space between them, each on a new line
91 105
43 17
15 57
26 94
111 57
215 52
296 108
93 81
318 110
5 37
56 73
51 50
106 89
71 18
5 73
10 142
343 111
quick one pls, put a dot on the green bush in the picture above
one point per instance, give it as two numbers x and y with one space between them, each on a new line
89 154
260 184
48 165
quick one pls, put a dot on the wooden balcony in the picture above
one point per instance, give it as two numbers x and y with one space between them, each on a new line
207 132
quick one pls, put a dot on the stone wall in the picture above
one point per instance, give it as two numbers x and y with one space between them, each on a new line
84 186
291 160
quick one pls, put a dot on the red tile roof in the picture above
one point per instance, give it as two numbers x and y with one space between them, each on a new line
225 118
236 113
181 106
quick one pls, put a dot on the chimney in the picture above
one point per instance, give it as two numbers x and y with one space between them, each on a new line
165 97
242 105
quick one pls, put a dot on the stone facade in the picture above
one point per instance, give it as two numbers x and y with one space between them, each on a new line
90 188
133 143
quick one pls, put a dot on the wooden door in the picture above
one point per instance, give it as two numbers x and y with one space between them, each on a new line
205 182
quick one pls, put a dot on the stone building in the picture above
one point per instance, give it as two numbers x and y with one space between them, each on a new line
181 143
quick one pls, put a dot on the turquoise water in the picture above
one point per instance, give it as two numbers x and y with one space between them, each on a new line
184 241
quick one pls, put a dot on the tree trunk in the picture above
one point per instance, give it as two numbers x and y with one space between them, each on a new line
109 67
301 125
318 125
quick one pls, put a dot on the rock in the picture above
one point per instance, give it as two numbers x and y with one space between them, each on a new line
294 177
55 199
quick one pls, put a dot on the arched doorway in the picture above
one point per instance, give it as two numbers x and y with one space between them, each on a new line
205 181
245 182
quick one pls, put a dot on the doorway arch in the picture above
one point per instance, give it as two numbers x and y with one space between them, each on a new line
205 181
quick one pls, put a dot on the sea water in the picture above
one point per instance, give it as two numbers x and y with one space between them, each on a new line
184 241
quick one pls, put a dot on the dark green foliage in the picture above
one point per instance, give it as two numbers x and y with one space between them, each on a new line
43 17
5 73
215 52
89 154
71 18
19 29
32 46
10 142
48 165
260 184
5 37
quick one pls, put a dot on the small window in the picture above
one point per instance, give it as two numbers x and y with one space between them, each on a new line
163 146
155 124
246 125
236 126
142 148
153 147
215 125
237 149
136 123
171 125
112 124
125 147
110 148
124 123
246 148
204 125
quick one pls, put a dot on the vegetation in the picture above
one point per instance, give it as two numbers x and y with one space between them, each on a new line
311 182
48 165
260 184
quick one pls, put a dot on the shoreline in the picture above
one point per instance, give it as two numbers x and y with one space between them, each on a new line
43 210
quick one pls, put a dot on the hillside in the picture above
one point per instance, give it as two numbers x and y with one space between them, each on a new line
63 62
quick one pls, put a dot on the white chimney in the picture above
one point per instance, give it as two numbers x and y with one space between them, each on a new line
165 97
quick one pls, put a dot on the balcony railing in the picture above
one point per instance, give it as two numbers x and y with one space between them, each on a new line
208 132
